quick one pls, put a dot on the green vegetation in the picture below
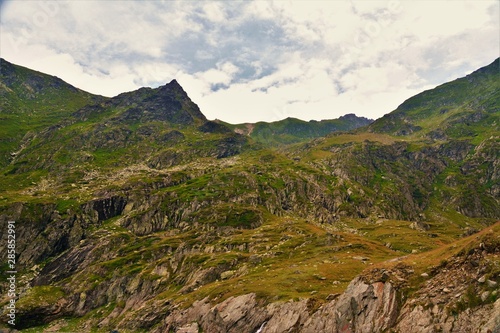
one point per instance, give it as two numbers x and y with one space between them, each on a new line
139 196
464 108
30 103
292 130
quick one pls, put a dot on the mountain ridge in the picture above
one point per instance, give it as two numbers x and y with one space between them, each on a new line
448 109
293 130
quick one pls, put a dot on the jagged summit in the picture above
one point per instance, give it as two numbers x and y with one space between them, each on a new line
168 103
173 93
159 126
173 85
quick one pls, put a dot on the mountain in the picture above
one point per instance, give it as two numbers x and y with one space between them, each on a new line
137 214
292 130
161 127
465 108
31 101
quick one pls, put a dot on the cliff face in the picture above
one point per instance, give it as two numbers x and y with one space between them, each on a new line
362 308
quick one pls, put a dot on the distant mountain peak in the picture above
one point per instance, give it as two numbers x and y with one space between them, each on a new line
292 130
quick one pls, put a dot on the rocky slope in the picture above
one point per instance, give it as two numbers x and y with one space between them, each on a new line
375 302
135 213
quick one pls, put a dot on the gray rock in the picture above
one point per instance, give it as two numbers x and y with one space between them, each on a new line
189 328
492 284
420 226
360 258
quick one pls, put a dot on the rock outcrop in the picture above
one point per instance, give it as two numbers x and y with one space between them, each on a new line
362 308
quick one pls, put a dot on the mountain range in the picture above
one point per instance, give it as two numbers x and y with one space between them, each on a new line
138 214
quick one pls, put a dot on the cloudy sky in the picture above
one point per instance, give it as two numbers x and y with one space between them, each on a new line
247 61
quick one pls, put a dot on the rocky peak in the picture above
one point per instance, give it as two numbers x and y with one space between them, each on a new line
167 103
171 103
173 86
353 117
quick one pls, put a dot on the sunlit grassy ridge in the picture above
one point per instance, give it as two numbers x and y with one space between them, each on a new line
464 108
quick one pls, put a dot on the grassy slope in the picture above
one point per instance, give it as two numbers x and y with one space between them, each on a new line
292 130
467 107
299 261
31 101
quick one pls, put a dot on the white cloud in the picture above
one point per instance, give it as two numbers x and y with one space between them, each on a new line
118 79
257 60
214 11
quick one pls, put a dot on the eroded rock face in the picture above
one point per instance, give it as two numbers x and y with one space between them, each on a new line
455 296
419 319
43 231
362 308
236 314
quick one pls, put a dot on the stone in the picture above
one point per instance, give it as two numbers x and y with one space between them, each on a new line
482 279
485 295
385 277
492 284
331 297
189 328
425 275
419 226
